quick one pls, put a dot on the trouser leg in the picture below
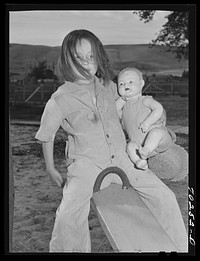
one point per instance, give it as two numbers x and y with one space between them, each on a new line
71 230
160 200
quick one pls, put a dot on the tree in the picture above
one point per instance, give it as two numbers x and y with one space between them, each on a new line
174 34
38 71
41 71
185 74
49 74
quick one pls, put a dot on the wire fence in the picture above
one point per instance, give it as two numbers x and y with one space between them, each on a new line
164 87
39 93
29 93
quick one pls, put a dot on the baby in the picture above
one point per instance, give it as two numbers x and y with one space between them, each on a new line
141 117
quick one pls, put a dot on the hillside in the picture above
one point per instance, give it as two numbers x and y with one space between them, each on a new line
149 60
22 56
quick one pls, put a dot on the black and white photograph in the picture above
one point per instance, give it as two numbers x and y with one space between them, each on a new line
98 129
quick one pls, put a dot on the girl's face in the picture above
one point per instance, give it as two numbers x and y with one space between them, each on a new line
85 58
130 84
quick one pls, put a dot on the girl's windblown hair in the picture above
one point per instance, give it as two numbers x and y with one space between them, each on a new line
69 53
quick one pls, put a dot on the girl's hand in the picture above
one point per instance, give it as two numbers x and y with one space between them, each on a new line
55 176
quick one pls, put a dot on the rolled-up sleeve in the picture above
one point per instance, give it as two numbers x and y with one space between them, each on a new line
51 120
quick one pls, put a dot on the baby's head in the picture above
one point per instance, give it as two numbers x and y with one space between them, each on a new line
130 82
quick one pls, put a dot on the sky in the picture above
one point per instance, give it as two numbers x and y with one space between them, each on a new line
111 27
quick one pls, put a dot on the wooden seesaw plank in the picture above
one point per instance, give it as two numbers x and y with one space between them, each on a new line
128 223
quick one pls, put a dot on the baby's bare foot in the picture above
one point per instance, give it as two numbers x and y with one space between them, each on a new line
141 164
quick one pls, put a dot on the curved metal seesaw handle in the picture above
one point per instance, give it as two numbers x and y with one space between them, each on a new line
125 182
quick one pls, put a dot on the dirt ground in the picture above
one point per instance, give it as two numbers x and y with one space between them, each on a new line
37 198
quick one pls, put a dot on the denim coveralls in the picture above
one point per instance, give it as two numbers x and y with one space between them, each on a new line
96 141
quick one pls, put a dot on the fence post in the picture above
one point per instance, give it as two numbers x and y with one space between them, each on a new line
24 92
172 88
54 86
32 94
42 93
11 194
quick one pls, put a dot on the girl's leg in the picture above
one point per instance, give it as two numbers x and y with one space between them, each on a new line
132 151
71 231
163 204
160 200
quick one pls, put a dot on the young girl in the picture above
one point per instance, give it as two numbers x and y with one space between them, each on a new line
140 115
85 108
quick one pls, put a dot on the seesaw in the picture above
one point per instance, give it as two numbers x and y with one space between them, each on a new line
126 220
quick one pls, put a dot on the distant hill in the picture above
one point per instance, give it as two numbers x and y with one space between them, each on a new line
150 60
21 56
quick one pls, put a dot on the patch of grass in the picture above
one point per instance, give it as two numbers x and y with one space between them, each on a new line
176 109
26 112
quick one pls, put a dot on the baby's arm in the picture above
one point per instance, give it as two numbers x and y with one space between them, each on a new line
120 104
155 115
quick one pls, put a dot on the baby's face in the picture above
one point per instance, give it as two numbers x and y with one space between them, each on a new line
129 84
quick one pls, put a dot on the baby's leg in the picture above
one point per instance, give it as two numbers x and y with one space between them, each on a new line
132 149
154 138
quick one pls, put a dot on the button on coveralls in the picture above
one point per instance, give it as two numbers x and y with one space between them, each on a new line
96 141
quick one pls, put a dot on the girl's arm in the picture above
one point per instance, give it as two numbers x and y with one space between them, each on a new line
50 123
155 115
48 148
120 104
